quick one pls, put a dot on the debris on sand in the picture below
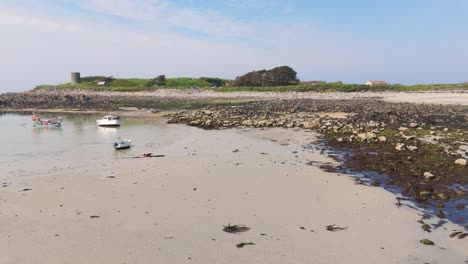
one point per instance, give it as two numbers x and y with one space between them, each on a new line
241 245
235 228
454 234
426 242
426 227
334 228
145 155
458 234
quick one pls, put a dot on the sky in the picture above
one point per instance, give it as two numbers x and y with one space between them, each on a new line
399 41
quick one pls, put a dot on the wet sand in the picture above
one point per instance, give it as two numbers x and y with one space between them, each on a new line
172 209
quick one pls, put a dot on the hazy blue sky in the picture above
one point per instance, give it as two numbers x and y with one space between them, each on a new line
401 41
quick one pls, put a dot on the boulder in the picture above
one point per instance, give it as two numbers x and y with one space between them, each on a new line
428 175
412 148
366 136
461 162
399 146
426 242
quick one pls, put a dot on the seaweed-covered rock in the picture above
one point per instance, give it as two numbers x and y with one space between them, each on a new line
426 242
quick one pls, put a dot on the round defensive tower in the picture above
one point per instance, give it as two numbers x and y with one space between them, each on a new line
75 78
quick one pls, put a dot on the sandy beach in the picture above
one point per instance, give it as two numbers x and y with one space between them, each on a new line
172 209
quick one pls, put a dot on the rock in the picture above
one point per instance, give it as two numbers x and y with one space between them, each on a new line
413 125
399 146
426 242
382 139
428 175
403 128
445 129
441 196
409 137
461 162
372 124
307 125
412 148
432 133
426 227
440 214
425 193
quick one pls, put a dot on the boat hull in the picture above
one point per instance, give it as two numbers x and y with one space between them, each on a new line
121 147
125 144
108 123
44 124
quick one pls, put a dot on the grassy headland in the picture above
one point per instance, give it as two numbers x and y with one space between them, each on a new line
135 84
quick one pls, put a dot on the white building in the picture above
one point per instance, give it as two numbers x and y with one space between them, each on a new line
370 83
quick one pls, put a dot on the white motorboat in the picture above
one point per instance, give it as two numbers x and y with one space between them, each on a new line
123 144
108 120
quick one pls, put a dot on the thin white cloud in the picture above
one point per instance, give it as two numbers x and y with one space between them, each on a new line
209 22
13 18
139 10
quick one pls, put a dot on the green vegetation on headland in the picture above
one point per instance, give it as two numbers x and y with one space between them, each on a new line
279 79
201 83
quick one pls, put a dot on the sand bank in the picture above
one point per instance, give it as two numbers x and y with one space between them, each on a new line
172 209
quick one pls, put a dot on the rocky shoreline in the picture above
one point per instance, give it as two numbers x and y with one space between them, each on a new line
170 99
423 149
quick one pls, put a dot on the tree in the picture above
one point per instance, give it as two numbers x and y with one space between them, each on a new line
216 82
159 81
278 76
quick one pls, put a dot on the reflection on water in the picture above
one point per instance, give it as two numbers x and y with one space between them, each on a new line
79 142
107 133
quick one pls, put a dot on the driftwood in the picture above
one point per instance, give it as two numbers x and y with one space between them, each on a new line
145 155
334 228
243 244
235 228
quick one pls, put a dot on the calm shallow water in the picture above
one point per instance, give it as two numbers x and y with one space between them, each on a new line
27 150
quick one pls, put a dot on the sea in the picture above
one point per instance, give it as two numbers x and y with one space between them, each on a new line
28 151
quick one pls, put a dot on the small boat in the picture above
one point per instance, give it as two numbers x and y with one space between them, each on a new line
108 120
122 144
48 122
